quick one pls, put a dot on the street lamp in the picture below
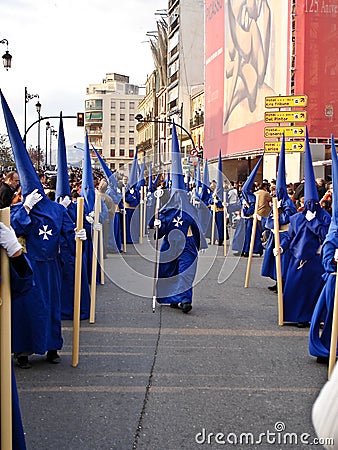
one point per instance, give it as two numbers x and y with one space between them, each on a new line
7 57
27 98
52 132
38 110
47 128
141 119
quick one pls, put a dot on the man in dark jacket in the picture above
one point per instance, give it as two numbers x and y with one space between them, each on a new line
8 189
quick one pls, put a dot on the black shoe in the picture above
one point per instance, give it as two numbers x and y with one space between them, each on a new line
186 307
245 254
53 357
323 360
174 305
236 254
23 362
220 242
303 324
273 288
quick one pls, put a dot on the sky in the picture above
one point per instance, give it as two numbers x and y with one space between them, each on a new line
59 47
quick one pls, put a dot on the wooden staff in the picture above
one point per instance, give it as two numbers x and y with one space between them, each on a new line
158 194
278 262
141 213
94 260
225 224
77 284
213 222
334 332
124 220
145 210
5 345
252 244
101 243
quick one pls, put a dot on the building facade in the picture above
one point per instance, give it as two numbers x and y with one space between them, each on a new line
110 109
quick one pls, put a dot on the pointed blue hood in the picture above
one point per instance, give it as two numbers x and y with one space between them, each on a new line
310 187
133 175
29 179
87 187
62 179
281 190
112 190
248 195
177 174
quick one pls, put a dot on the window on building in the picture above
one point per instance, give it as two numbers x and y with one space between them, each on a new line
131 129
121 151
113 129
131 141
113 117
131 117
112 166
122 105
131 153
122 129
93 115
122 140
131 105
122 117
93 104
121 165
112 152
112 140
113 104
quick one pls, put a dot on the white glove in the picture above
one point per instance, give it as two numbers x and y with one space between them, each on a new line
259 217
81 234
277 251
310 215
157 223
32 199
336 255
66 201
97 226
8 240
279 203
90 217
246 204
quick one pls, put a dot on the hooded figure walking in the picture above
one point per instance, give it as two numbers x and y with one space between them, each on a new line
179 226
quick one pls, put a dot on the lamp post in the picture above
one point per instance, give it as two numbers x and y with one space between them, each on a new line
46 150
141 119
27 98
38 110
7 57
52 132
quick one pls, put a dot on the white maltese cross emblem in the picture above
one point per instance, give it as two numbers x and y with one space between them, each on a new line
178 221
45 232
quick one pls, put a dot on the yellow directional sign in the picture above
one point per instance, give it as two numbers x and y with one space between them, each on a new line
288 131
274 147
285 116
284 101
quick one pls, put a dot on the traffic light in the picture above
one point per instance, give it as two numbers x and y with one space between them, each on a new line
80 119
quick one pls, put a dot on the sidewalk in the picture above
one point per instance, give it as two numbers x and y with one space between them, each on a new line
174 381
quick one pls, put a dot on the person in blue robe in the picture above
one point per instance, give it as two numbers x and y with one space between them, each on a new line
178 225
321 320
41 222
286 209
306 234
66 254
131 205
242 237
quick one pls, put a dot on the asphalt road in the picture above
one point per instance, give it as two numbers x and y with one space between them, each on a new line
223 376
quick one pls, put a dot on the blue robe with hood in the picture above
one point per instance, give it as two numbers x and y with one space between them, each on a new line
303 282
320 339
242 236
182 239
42 229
